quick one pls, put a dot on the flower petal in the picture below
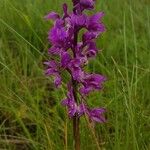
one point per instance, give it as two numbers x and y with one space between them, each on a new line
65 59
52 15
57 81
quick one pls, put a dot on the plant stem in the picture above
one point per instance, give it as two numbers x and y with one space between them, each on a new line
76 130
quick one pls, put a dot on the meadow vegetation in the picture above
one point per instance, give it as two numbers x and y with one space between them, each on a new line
31 116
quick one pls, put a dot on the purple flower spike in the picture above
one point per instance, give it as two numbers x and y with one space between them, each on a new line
72 55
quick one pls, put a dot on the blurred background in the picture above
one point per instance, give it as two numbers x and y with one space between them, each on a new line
31 116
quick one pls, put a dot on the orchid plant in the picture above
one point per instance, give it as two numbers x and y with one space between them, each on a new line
74 54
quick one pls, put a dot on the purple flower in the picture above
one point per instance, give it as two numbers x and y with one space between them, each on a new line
75 2
52 15
80 5
74 67
88 36
61 35
71 104
94 23
92 82
97 114
78 21
57 80
58 34
72 55
91 49
73 108
65 59
54 50
87 4
52 69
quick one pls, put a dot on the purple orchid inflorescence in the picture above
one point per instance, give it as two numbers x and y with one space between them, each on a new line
74 55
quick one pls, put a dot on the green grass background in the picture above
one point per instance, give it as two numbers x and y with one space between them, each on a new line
31 117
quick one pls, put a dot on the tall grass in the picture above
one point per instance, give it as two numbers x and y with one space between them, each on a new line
31 116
